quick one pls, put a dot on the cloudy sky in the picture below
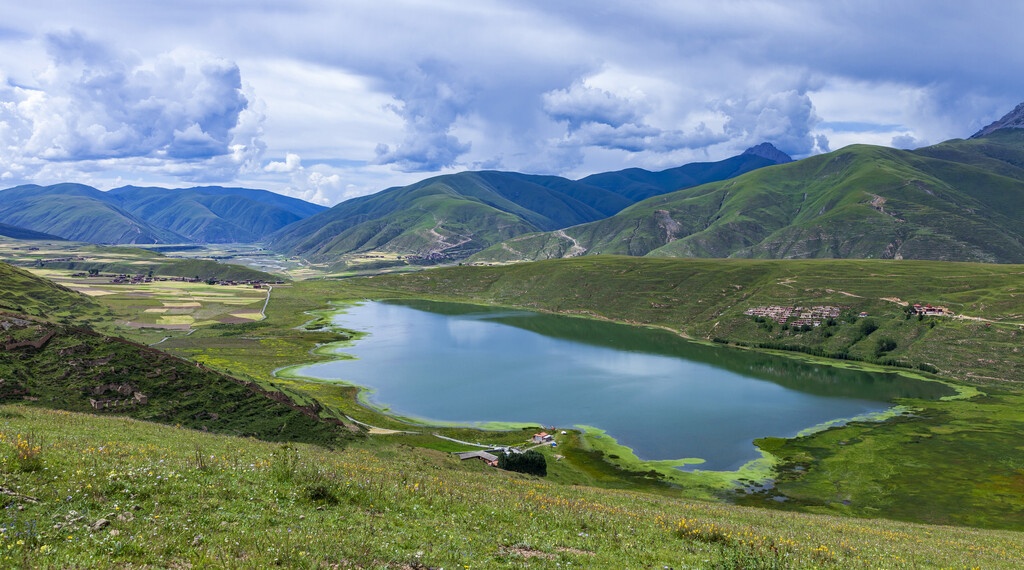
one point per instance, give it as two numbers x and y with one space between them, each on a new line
326 100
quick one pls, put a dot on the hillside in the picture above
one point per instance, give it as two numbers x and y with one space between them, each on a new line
106 492
960 200
15 232
79 213
133 215
23 293
214 214
77 369
953 473
638 184
455 215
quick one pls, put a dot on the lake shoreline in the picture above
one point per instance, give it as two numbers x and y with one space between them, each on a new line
623 457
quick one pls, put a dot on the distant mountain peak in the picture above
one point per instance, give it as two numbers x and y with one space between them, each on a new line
768 150
1012 120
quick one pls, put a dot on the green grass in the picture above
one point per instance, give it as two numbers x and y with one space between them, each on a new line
700 298
77 368
960 200
924 467
174 497
78 212
22 292
706 298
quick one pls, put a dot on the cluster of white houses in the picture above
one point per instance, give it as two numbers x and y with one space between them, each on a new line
931 311
812 316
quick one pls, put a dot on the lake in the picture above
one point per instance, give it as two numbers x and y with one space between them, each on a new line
662 396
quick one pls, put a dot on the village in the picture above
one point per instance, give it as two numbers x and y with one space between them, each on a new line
123 278
489 456
814 316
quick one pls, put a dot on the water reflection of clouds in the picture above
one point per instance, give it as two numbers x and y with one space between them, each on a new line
631 364
469 332
453 366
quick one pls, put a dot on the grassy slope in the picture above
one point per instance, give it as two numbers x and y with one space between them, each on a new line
956 201
208 218
639 184
22 292
72 366
176 497
482 208
15 232
77 212
873 471
78 365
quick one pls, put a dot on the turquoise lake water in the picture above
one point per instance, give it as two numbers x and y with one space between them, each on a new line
654 392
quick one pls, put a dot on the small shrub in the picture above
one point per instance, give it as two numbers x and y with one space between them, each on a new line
199 460
885 345
27 453
321 493
867 327
285 465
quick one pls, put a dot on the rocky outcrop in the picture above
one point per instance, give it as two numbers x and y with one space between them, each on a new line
33 344
1012 120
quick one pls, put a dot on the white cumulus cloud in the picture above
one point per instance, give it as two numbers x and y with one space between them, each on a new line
183 113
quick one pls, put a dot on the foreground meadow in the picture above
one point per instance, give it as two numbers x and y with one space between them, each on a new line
86 491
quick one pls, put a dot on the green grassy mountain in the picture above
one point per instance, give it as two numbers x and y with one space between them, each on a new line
79 213
134 215
15 232
458 214
213 214
638 184
959 200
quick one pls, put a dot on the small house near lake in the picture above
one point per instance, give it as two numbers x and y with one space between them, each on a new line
542 437
488 458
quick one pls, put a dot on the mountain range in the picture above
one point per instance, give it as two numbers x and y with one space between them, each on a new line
455 215
959 200
134 215
962 199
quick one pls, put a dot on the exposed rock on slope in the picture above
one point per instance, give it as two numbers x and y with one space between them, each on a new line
1012 120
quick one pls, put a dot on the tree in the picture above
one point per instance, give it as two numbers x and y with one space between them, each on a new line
885 345
531 462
